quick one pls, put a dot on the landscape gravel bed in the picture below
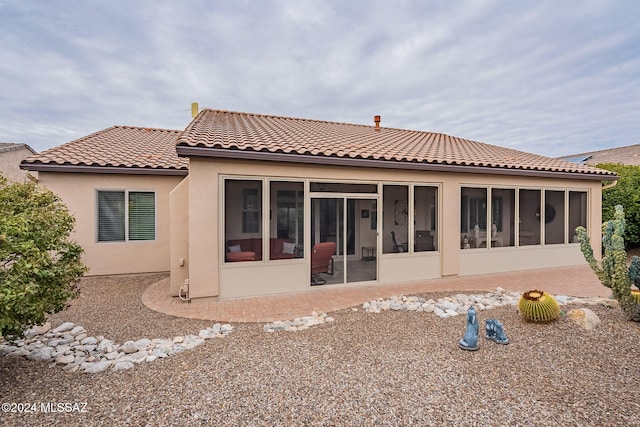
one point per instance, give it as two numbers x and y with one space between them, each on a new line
389 368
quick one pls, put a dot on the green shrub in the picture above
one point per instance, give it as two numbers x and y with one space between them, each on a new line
39 265
625 193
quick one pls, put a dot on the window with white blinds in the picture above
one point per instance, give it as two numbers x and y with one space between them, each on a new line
135 220
142 215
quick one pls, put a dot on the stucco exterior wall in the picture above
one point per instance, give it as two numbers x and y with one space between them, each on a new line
209 275
78 191
10 164
179 235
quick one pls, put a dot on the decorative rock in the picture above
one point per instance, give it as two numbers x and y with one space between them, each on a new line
297 324
207 334
94 368
448 306
129 347
71 367
121 366
89 340
42 354
8 349
585 318
142 344
440 313
192 341
62 349
105 346
67 326
160 353
66 340
137 357
80 337
65 359
163 345
86 348
113 355
54 342
77 331
37 330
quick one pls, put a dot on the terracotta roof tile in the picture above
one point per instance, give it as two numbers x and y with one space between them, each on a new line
254 132
120 147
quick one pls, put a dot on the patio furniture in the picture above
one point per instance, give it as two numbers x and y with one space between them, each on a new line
322 261
241 256
398 247
368 253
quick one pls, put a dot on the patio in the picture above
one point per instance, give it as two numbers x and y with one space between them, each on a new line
572 281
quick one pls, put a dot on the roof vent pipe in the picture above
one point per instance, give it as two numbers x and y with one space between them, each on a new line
376 120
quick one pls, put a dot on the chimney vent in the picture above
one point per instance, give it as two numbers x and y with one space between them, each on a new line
194 109
376 120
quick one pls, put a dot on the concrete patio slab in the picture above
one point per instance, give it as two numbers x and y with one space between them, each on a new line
578 281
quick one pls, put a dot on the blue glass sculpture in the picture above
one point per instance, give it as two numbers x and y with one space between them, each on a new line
470 339
495 331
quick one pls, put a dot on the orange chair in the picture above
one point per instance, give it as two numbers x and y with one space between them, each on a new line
322 261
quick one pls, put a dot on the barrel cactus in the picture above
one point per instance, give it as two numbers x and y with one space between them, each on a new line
539 307
613 271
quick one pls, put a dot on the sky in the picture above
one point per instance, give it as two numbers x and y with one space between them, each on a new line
547 77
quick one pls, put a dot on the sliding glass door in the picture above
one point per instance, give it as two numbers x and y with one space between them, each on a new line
344 226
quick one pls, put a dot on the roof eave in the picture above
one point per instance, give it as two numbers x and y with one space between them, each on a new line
189 151
45 167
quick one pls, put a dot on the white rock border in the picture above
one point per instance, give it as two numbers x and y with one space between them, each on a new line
299 323
69 345
460 303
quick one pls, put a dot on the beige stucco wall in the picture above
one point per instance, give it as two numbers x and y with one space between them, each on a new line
10 164
179 235
210 276
78 191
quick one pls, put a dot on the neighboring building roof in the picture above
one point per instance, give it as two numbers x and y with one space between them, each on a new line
217 133
118 149
628 155
10 146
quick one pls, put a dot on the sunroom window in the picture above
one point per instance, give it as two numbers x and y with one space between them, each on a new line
426 218
577 213
243 220
554 228
287 220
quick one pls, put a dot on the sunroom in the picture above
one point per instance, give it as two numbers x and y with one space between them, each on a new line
279 205
274 221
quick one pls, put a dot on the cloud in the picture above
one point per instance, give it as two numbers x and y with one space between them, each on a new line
546 77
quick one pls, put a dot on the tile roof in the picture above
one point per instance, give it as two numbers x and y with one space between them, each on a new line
244 132
628 155
121 147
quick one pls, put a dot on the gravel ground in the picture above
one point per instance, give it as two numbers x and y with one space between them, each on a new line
393 368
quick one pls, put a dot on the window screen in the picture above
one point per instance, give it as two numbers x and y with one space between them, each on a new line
110 216
142 216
